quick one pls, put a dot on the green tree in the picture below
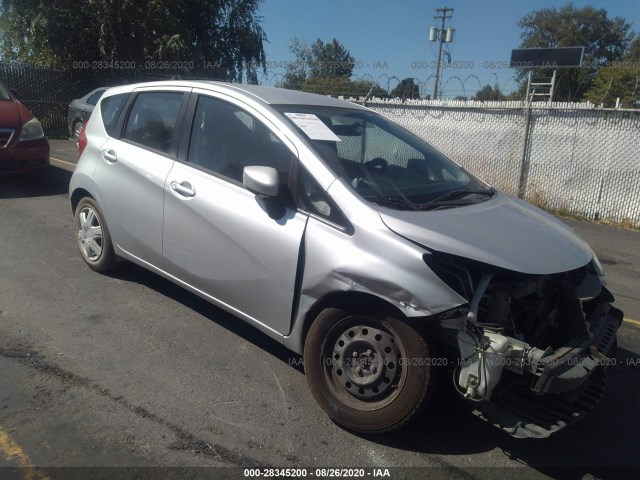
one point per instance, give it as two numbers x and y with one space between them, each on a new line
605 40
633 55
489 93
320 60
336 86
299 69
407 88
326 68
620 80
330 59
369 89
343 87
224 34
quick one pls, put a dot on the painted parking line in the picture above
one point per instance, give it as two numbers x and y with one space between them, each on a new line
62 164
10 450
632 322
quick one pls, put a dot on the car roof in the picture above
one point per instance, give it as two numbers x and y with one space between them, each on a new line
269 95
88 94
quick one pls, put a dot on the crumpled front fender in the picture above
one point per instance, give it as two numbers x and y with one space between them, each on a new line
375 262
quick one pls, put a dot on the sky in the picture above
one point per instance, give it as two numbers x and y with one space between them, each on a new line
389 40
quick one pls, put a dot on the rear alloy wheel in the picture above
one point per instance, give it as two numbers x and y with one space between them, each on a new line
369 374
93 237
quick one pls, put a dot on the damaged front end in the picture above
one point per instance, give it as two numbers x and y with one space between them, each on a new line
533 349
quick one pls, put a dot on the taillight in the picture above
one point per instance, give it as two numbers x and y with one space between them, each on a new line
82 140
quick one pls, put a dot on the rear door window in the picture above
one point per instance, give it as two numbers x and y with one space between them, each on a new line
152 120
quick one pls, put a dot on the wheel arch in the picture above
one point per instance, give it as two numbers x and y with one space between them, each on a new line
77 195
362 302
354 364
71 122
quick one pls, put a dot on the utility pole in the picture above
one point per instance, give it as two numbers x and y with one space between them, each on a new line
441 35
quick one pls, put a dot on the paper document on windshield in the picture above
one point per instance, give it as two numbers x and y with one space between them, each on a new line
313 127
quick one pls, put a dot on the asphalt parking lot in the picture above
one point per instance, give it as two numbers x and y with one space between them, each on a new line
130 370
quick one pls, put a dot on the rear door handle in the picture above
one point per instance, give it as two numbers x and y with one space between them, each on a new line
110 156
184 188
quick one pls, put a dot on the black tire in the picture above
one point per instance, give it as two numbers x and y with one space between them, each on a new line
96 249
395 377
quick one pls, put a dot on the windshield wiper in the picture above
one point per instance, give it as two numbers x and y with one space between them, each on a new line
448 198
393 202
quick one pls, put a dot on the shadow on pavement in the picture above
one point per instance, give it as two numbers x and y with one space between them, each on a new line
602 445
130 272
52 181
65 150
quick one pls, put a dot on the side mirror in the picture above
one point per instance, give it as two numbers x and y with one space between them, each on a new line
261 180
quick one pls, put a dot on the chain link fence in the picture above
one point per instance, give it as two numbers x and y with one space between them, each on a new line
569 158
47 92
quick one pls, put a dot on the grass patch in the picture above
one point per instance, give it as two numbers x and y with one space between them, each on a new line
539 199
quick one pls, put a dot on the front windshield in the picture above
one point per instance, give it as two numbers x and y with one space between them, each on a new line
383 162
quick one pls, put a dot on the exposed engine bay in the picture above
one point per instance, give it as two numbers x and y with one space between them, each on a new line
533 349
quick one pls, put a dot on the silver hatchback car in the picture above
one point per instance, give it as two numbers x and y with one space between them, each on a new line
354 243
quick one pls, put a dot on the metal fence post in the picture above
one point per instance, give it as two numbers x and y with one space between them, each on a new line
525 163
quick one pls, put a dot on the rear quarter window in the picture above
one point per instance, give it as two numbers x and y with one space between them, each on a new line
152 119
110 108
93 99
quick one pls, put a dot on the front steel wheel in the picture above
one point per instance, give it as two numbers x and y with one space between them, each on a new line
369 374
93 237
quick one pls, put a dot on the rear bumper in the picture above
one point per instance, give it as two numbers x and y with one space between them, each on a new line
565 387
24 157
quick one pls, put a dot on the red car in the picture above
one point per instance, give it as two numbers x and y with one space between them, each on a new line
23 146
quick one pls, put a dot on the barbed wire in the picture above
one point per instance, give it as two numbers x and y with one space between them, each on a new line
453 86
47 91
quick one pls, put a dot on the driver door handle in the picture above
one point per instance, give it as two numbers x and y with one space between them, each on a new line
183 188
